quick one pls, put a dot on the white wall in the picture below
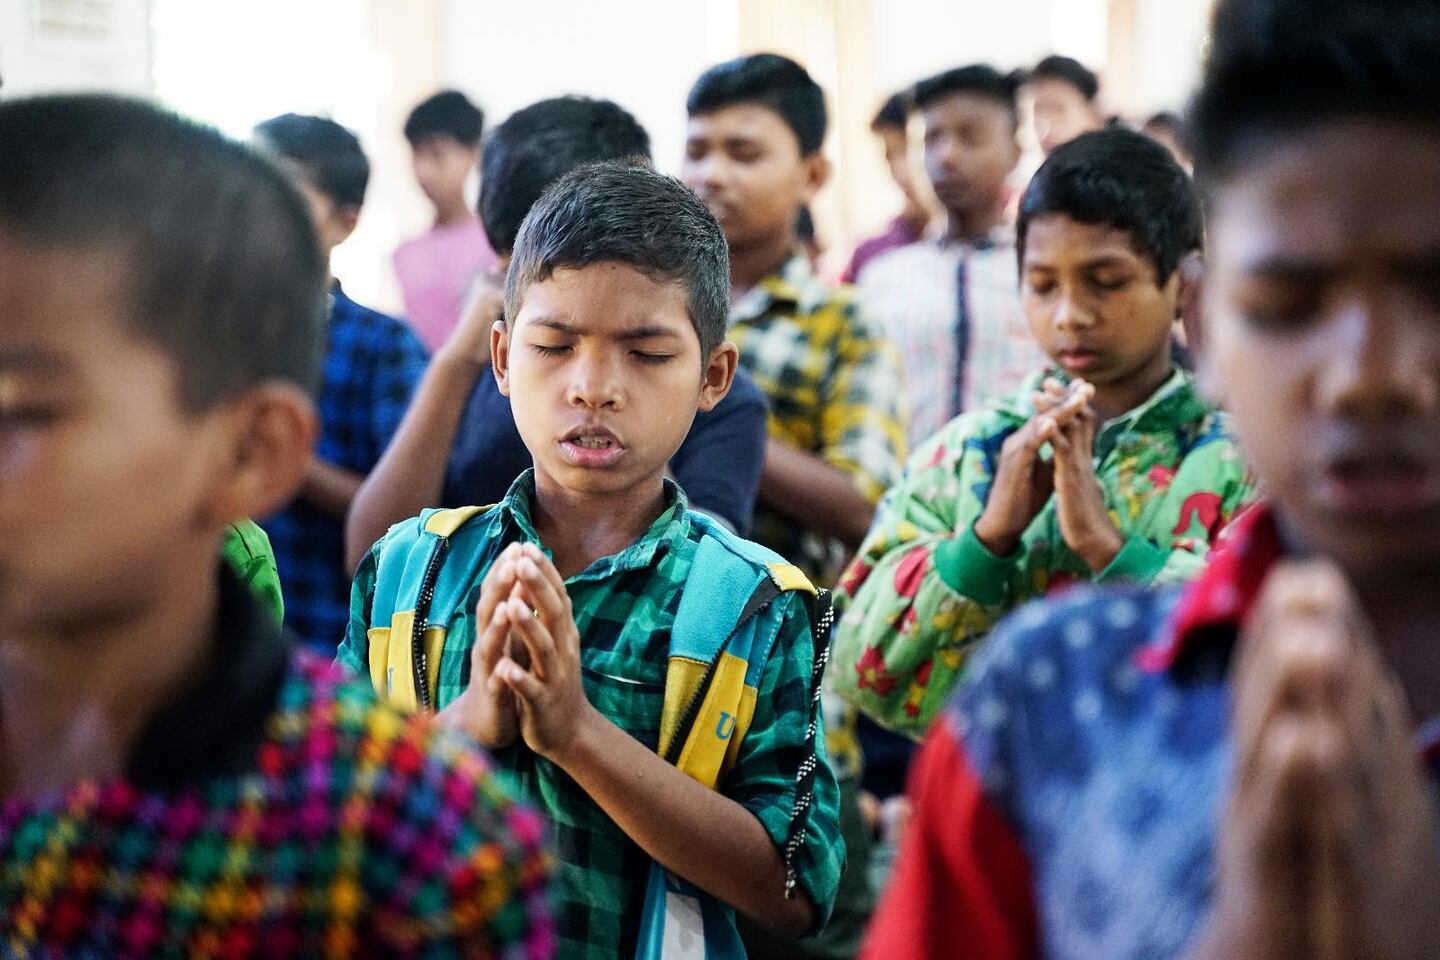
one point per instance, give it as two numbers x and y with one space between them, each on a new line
643 54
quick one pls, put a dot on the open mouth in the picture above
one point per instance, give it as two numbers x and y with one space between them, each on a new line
591 447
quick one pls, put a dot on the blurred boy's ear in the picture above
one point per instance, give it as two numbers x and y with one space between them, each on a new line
719 375
1190 302
817 173
269 435
1190 308
346 218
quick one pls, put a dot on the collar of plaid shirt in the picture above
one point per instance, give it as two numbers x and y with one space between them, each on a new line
794 287
669 529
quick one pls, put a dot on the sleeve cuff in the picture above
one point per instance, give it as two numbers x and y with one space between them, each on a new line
969 568
1139 561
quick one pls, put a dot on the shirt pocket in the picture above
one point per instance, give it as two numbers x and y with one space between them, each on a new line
630 693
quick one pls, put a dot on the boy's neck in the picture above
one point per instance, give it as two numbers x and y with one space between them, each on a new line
1117 399
452 212
750 265
579 529
968 226
73 704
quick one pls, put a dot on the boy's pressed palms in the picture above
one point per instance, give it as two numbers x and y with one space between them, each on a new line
1024 482
1327 849
487 710
550 699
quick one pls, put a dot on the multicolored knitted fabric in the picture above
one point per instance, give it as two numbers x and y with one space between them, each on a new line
355 833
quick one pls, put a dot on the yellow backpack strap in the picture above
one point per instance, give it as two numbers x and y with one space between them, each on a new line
444 523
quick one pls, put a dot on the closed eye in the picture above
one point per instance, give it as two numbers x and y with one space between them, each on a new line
655 358
546 350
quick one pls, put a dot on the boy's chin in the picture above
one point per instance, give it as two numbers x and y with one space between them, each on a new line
602 481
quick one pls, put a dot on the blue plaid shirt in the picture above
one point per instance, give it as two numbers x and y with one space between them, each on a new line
372 367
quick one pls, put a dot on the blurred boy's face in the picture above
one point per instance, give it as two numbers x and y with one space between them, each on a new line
897 159
1324 335
745 163
970 149
604 375
333 222
1094 305
110 491
1061 113
442 165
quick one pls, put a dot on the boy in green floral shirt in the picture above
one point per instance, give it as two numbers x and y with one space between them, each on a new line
1107 466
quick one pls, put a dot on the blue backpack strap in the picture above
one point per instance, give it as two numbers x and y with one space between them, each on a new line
416 594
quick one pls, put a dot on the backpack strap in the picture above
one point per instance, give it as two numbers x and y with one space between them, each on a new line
416 593
718 653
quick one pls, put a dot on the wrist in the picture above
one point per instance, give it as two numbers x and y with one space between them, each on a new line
999 542
1100 549
570 754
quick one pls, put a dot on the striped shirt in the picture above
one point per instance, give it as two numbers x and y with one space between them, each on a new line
955 360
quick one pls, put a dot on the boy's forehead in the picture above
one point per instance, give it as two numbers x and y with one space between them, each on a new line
606 298
1317 194
741 121
964 106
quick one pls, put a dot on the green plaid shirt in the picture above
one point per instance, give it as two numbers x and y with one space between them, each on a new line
624 607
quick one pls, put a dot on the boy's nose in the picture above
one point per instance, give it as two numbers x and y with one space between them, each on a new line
1071 315
596 386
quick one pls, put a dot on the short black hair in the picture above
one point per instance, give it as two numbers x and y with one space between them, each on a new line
618 212
768 80
894 113
330 154
448 114
1122 179
538 145
1278 66
1068 70
224 271
981 80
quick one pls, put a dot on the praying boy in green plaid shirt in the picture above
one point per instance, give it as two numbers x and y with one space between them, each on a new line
547 627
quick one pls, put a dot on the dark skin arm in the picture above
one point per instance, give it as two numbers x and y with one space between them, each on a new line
411 474
693 831
806 489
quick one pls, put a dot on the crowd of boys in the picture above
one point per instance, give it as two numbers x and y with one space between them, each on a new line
507 630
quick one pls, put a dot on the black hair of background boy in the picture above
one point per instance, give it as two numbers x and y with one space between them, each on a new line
627 213
1281 66
330 155
225 272
1070 71
771 81
539 144
447 115
978 80
894 113
1121 179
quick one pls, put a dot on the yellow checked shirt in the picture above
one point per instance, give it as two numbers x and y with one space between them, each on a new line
835 389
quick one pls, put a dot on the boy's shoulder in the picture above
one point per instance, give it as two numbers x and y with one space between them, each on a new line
1060 665
900 264
352 320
